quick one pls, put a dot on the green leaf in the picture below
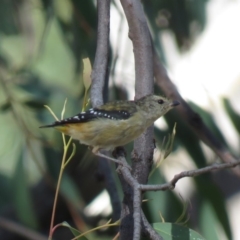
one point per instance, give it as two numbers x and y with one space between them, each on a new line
208 119
87 73
74 231
162 203
235 118
34 103
170 231
5 107
210 192
5 190
69 189
208 221
22 197
187 138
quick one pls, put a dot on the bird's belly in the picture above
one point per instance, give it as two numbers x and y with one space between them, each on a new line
106 134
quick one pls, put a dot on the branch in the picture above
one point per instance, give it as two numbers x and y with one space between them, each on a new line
148 229
138 215
191 173
143 146
142 49
20 230
99 74
188 115
136 193
99 71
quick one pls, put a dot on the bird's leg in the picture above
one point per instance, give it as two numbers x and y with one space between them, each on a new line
98 153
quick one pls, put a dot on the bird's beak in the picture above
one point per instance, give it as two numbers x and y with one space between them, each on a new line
175 103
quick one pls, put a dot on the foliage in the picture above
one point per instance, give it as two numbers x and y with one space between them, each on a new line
42 47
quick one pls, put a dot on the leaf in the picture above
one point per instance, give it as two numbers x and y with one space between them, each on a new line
74 231
170 231
235 118
162 204
87 81
5 190
5 107
210 192
208 119
169 145
208 221
69 189
22 197
34 103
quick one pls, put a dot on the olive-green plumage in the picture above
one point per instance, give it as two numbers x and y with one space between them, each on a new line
115 123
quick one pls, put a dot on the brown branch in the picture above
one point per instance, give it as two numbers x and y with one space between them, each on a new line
136 194
142 49
99 71
99 74
143 146
149 230
138 215
188 115
192 173
20 230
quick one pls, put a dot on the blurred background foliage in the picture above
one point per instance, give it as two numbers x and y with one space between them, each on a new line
42 47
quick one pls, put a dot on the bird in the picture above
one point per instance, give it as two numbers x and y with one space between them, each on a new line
114 124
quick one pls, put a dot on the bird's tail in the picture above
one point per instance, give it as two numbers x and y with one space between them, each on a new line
49 126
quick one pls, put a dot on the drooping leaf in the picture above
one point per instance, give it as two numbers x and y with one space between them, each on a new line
69 190
233 115
74 231
21 195
211 193
34 104
170 231
5 107
208 221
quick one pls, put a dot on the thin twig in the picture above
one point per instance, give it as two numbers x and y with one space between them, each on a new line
149 230
192 173
20 230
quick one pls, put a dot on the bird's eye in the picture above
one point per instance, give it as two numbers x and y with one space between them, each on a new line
160 101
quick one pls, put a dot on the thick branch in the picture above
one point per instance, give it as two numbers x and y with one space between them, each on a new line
99 75
143 146
136 195
138 216
99 71
142 48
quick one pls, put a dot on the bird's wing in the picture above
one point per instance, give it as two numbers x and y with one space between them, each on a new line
120 110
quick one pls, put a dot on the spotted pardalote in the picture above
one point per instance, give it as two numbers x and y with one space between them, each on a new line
115 123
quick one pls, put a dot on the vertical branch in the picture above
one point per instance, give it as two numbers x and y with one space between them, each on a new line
142 48
143 146
99 74
99 71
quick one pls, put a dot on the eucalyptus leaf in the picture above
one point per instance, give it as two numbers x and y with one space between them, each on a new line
170 231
